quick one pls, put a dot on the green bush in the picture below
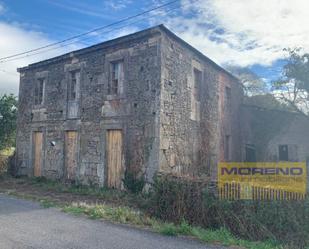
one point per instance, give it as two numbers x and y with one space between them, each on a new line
12 169
133 183
177 200
3 164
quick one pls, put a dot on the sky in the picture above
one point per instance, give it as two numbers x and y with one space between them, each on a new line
243 33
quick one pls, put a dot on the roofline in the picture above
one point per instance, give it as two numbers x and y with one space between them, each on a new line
105 44
137 35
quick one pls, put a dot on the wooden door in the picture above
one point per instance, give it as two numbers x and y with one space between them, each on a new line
115 169
38 143
70 155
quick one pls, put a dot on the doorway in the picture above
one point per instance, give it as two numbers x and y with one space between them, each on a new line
38 149
114 157
70 155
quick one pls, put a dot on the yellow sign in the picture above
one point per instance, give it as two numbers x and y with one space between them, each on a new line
246 180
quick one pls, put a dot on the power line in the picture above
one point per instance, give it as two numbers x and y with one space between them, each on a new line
67 44
91 31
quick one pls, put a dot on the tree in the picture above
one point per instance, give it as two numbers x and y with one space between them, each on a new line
292 87
252 84
8 116
267 101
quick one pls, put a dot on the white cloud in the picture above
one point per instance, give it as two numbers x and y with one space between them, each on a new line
109 34
82 8
14 40
18 39
238 32
122 32
118 5
3 8
242 32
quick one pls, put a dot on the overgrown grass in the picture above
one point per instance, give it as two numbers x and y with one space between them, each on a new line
126 213
47 203
287 222
136 200
77 188
221 236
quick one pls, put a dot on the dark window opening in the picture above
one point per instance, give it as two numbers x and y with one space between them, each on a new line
227 147
228 98
197 84
250 153
283 153
38 92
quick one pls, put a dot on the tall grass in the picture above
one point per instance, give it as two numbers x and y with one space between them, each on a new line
284 221
188 207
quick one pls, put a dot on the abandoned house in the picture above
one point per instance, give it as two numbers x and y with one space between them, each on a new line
271 135
144 103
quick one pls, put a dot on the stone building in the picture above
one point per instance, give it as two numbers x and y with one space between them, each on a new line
143 103
272 135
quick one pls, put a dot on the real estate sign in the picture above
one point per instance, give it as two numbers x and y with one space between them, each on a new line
262 180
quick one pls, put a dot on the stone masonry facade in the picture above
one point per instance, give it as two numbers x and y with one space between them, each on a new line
143 103
274 135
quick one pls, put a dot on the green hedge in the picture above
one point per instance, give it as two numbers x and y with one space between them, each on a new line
176 199
3 164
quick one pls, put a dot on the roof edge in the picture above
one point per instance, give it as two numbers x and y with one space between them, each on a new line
118 40
190 47
122 39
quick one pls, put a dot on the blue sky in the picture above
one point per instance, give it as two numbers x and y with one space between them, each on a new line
59 19
241 33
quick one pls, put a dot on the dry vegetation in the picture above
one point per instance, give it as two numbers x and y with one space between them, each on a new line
121 207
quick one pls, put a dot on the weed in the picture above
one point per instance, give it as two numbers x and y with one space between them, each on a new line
142 217
133 183
168 229
47 203
174 200
73 210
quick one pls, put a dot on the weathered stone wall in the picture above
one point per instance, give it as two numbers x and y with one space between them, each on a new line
191 133
230 118
136 111
168 123
267 129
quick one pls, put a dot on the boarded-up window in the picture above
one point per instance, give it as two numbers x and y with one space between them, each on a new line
228 98
73 86
115 170
195 94
197 84
73 94
39 91
283 153
250 153
37 149
116 78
